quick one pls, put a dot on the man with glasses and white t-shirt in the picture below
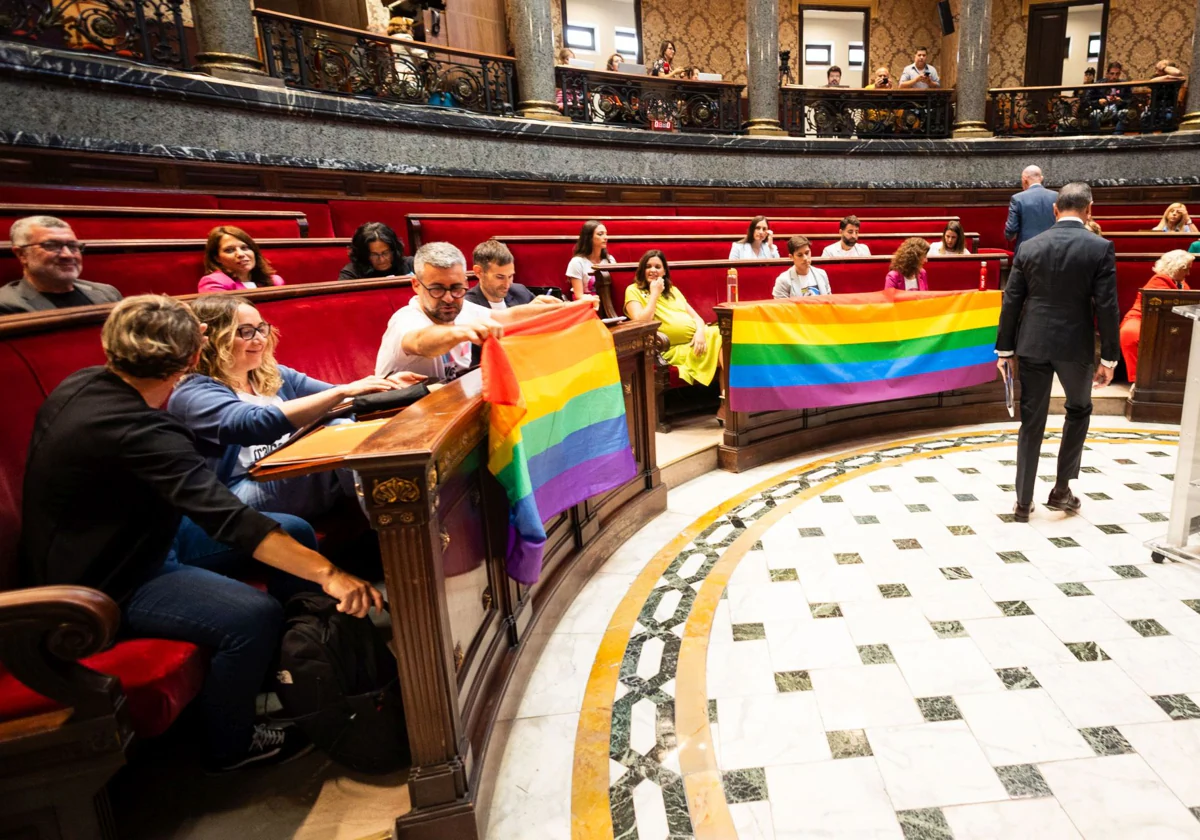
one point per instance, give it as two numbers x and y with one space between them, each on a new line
52 258
433 334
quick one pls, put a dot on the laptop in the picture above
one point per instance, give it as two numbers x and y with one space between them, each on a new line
582 64
709 77
632 69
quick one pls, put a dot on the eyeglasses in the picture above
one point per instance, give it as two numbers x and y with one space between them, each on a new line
439 292
246 332
56 246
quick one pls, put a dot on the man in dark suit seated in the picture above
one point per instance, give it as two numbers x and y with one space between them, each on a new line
1030 211
1062 282
494 266
52 258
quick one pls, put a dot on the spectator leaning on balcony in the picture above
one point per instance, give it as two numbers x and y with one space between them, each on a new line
757 244
920 74
1114 101
1030 211
234 261
1175 220
803 278
51 259
847 244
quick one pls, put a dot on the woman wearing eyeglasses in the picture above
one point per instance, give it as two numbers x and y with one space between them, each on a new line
233 261
375 251
241 404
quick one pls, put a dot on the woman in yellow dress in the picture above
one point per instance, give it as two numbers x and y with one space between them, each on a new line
695 347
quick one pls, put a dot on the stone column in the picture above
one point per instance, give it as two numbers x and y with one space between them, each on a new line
532 36
762 65
974 36
1191 108
225 34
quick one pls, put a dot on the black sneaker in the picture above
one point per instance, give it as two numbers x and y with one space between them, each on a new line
268 746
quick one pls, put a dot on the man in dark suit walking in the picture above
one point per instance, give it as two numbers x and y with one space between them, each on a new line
1030 211
493 265
1062 282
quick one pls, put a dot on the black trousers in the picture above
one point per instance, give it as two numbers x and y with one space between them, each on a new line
1037 377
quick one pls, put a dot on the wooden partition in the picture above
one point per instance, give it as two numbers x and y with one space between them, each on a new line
1162 358
754 438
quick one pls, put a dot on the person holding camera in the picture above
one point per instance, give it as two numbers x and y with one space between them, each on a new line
920 74
878 122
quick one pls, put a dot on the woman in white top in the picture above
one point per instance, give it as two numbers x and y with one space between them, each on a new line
953 241
757 244
803 278
590 249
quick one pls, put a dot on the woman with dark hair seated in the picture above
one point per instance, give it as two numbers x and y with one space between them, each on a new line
375 251
953 241
241 404
695 347
590 249
907 268
757 244
233 261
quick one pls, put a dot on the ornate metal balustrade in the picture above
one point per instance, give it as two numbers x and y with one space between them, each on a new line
322 57
867 114
591 96
149 31
1105 108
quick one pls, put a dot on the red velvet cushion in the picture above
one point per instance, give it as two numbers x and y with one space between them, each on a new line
22 397
320 223
1158 243
159 678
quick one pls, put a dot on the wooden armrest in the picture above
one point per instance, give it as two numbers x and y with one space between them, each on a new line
46 629
663 344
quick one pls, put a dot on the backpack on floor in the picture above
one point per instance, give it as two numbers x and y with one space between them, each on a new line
337 681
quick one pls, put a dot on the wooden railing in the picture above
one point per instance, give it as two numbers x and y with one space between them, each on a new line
621 99
148 31
1106 108
316 56
866 114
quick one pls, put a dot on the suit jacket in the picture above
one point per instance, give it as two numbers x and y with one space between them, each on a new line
1030 212
19 296
895 280
1061 285
517 295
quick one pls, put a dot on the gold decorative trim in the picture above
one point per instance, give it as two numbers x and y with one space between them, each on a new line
486 600
394 490
445 535
871 5
459 656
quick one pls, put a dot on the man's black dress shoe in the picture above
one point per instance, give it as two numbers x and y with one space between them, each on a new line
1021 512
1066 501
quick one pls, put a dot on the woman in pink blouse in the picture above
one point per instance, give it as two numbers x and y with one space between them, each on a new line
233 260
907 269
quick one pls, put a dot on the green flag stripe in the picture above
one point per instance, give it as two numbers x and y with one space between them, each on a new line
833 354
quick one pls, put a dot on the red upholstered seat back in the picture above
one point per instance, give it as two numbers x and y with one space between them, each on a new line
24 194
320 223
23 396
164 227
1144 242
1135 270
1127 224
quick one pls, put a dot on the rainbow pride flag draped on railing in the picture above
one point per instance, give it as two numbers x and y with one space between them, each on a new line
557 430
817 352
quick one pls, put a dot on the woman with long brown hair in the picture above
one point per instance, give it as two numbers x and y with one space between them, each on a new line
907 268
233 261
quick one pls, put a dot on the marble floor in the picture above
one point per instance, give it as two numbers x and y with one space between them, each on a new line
862 643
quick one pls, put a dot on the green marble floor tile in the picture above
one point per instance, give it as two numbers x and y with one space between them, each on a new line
1013 609
1064 542
848 558
712 711
939 708
1148 627
926 479
1193 603
1154 517
1017 679
918 508
1087 651
876 655
831 499
880 488
894 590
749 632
1099 497
867 520
811 532
955 573
924 824
826 610
1137 485
746 785
781 575
961 530
1178 706
948 629
1106 740
1074 590
907 544
1128 571
788 681
848 743
1023 781
1112 529
1012 556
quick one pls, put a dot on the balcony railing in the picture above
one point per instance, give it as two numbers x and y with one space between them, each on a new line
621 99
148 31
1105 108
322 57
866 114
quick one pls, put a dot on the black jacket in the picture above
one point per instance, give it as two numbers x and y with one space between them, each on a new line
108 480
350 271
517 295
1063 284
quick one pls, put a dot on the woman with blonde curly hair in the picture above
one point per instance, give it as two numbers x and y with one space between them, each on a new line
906 270
1175 220
241 404
1170 272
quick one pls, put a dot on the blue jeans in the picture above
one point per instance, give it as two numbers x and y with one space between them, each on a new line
190 598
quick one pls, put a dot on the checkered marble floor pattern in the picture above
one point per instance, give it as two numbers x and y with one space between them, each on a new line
892 657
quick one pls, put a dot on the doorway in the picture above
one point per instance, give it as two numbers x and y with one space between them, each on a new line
1064 40
832 37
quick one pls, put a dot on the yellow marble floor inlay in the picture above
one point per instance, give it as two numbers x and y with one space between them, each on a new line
591 814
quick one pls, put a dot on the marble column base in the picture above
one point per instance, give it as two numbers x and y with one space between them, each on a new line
970 130
1190 122
765 127
534 109
235 68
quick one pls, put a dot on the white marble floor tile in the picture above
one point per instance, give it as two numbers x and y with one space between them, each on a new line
631 557
839 583
1081 619
954 600
593 608
835 800
864 696
1119 797
752 820
1021 727
934 764
532 798
1173 752
650 812
798 645
1018 819
751 569
1013 581
761 601
1061 565
945 666
1096 694
1159 665
1182 580
740 669
1181 621
886 621
560 677
1013 641
1134 598
782 728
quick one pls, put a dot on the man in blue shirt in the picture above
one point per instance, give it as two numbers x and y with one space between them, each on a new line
1030 211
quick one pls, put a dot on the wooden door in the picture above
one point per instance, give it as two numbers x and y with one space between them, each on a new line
1044 49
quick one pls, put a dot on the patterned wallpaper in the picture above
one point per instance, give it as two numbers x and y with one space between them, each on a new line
902 26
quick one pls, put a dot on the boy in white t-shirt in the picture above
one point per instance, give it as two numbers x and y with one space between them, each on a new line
803 278
847 244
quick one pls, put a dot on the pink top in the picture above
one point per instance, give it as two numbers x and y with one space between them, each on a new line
219 281
895 280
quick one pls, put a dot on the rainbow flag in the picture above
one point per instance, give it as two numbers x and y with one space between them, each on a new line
557 430
817 352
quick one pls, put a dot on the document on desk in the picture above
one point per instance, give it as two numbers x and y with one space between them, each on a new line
326 444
